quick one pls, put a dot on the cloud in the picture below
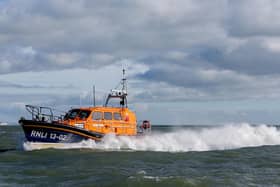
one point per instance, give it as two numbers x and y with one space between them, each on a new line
252 58
188 44
68 34
183 50
180 82
5 84
253 18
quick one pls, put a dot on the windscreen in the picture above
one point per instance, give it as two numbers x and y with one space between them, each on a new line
77 114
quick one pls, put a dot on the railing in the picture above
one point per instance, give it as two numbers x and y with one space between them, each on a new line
44 114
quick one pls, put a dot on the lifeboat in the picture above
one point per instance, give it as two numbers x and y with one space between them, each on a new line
83 123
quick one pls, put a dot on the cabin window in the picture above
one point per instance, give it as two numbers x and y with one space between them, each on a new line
84 114
107 115
72 114
117 116
97 116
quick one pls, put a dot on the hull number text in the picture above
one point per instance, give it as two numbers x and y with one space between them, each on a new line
45 135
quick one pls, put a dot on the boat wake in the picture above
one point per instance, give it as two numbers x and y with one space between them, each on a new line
230 136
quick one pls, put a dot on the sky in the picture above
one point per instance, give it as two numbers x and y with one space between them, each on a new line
201 62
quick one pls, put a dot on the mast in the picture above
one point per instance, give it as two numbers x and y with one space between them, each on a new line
120 93
123 101
124 86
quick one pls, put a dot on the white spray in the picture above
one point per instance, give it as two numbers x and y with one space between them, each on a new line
183 140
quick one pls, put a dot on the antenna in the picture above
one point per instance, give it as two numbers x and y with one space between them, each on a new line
93 95
124 87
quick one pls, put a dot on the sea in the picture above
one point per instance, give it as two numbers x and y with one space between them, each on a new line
227 155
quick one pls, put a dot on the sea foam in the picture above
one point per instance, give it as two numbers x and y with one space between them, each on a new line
229 136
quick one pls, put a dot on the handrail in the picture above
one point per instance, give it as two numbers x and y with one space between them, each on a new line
40 113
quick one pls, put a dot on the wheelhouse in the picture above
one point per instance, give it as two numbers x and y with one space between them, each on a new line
118 120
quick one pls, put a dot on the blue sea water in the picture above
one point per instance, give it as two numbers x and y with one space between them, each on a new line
230 155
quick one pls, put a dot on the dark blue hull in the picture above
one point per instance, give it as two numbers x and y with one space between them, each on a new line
44 132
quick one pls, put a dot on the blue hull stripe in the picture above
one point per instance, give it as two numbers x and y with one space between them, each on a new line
36 131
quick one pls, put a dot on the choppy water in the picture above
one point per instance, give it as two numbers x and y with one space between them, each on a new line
231 155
